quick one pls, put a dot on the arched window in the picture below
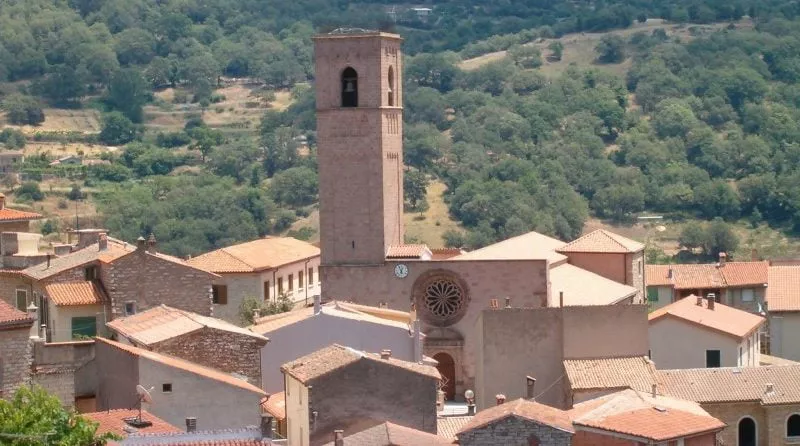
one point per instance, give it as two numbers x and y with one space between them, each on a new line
349 88
747 432
793 426
391 87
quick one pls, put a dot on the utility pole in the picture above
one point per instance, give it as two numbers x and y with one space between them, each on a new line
77 224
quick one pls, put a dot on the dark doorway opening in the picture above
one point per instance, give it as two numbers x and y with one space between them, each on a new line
447 368
747 432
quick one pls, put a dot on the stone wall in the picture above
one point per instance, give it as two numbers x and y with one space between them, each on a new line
60 383
775 428
15 360
218 349
583 438
731 413
9 283
514 431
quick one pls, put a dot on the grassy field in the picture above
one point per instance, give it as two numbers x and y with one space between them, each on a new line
59 120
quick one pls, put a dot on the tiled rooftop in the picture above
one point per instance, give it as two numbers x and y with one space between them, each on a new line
275 405
729 384
521 408
113 421
227 437
11 318
783 292
445 253
257 255
636 372
530 246
76 293
447 427
408 252
708 275
602 241
190 367
7 214
268 324
585 288
390 434
722 318
335 357
161 323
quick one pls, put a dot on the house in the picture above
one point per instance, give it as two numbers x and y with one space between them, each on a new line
200 339
339 387
264 269
518 423
275 406
10 160
387 434
13 220
697 332
304 331
595 377
740 285
783 305
178 388
66 370
15 349
125 422
759 405
635 418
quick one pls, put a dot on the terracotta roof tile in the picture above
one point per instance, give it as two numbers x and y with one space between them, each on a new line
585 288
11 318
445 253
602 241
658 275
447 427
532 245
7 214
191 367
257 255
639 414
521 408
408 252
636 372
184 442
707 275
334 357
275 405
722 318
161 323
226 437
390 434
730 384
113 421
343 310
76 293
783 292
745 273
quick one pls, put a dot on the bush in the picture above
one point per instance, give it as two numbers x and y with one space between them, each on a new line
75 193
117 129
29 191
23 110
50 226
172 139
12 138
180 97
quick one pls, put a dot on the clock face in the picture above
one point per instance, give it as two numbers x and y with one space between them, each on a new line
400 270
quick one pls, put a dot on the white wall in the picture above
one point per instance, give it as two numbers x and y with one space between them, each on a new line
676 344
60 323
784 330
664 297
296 412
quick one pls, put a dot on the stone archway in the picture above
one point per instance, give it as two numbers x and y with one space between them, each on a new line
747 432
447 368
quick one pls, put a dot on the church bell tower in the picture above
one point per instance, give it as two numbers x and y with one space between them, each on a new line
360 145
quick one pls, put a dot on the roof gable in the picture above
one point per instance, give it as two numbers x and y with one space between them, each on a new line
257 255
390 434
522 408
11 318
602 241
530 246
722 318
708 275
76 293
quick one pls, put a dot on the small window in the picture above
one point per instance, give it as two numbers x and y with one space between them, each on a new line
349 88
266 290
84 327
741 355
219 294
166 387
793 426
311 277
291 282
747 295
22 300
130 308
300 279
280 285
652 294
391 94
90 272
713 359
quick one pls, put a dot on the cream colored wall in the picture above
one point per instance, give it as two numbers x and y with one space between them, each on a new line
675 344
784 328
61 320
298 293
296 412
750 350
664 297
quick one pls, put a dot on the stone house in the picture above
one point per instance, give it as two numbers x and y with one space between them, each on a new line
200 339
759 405
387 434
518 423
13 220
304 331
67 370
179 388
783 304
15 349
339 387
264 269
696 332
592 378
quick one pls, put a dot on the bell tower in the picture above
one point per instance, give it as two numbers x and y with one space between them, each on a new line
360 145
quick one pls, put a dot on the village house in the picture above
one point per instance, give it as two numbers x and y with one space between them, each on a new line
200 339
248 436
275 406
179 389
339 387
783 305
519 422
301 332
263 269
592 378
740 285
697 332
13 220
66 370
387 434
15 349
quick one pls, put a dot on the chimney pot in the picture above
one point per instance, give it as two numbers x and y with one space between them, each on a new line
151 243
191 424
140 242
722 258
754 255
508 302
338 437
711 300
500 398
530 383
2 201
699 301
770 388
386 354
654 390
102 242
669 273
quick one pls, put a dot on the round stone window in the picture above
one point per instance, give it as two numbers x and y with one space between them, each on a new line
441 297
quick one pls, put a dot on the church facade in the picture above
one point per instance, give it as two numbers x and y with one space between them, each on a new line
364 258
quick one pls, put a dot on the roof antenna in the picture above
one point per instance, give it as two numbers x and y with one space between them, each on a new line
144 397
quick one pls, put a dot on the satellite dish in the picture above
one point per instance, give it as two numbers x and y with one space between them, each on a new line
144 394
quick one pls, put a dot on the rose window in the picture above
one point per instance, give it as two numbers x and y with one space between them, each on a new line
441 296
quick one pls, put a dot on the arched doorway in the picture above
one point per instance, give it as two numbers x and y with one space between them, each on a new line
747 432
447 368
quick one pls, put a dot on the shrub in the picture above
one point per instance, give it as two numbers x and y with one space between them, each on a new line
29 191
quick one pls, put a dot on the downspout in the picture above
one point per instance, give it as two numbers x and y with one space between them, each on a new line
305 273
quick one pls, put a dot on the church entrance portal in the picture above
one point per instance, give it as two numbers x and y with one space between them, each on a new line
447 368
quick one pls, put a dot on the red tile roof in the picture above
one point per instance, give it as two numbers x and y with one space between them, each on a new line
707 275
734 384
445 253
7 214
407 251
390 434
783 292
448 426
724 319
11 318
602 241
113 421
521 408
636 372
257 255
745 273
76 293
275 405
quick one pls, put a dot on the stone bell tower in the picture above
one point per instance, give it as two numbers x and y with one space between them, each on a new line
360 145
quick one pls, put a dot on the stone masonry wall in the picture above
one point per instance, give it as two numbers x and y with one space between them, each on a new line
61 384
775 428
15 360
513 431
731 413
9 283
221 350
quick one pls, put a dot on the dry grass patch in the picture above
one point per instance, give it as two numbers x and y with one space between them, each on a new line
58 120
436 222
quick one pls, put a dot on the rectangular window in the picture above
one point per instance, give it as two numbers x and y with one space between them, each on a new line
219 294
130 308
166 388
90 272
311 277
652 294
713 359
266 290
747 295
741 355
280 286
84 327
291 282
22 300
300 279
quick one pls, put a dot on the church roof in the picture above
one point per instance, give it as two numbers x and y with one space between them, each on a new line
530 246
602 241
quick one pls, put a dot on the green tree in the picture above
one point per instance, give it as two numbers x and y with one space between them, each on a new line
135 46
29 192
423 145
201 71
206 139
23 110
415 186
556 50
610 49
128 92
117 129
525 56
280 149
693 235
297 186
75 193
619 202
64 87
721 238
41 419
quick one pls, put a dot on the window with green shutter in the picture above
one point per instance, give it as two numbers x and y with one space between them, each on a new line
652 294
84 327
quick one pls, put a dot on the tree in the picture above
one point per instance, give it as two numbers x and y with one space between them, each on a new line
280 149
128 92
201 72
134 46
619 201
297 186
556 50
610 49
422 145
206 139
12 138
39 418
117 129
64 87
525 56
75 193
720 238
23 110
693 235
29 192
415 185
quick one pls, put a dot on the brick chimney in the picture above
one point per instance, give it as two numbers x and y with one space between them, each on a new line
530 382
699 301
140 243
338 437
191 424
508 302
102 242
754 255
723 257
501 399
386 354
711 300
151 243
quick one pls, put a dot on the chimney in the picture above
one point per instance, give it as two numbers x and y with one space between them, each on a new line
317 304
711 300
102 242
266 425
654 390
508 302
722 258
338 437
699 301
770 388
140 242
151 243
669 273
500 398
386 353
33 313
754 255
191 424
561 299
48 260
530 382
2 201
44 331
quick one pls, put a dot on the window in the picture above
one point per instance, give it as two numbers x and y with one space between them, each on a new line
291 282
90 272
280 285
391 87
793 426
219 294
349 87
22 300
130 308
166 387
652 294
311 277
741 355
266 290
747 432
300 279
84 327
747 295
749 349
713 359
640 267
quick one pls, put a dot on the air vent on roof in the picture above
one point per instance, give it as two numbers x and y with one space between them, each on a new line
660 409
737 370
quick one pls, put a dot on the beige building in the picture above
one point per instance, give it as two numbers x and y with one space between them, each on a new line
783 304
263 269
13 220
696 332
